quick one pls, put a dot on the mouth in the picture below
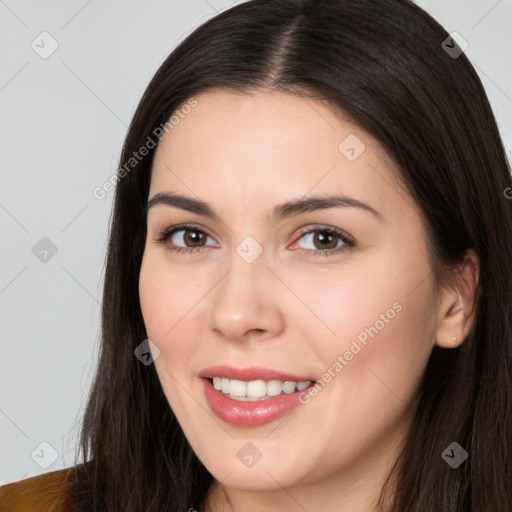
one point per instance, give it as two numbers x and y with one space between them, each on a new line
239 398
256 390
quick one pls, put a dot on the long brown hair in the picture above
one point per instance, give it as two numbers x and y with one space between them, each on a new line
382 62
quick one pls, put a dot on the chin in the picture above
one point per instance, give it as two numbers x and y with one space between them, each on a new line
262 476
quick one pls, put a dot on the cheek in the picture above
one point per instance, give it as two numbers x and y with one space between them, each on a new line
384 300
381 332
166 304
167 308
154 300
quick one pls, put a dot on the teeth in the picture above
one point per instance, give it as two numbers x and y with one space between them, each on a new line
257 389
303 385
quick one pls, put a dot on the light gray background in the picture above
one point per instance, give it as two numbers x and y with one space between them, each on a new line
63 123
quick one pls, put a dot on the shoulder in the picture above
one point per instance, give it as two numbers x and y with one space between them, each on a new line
49 492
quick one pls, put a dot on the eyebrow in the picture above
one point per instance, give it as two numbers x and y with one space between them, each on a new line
280 212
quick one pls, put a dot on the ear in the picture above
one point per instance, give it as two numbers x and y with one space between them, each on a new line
456 310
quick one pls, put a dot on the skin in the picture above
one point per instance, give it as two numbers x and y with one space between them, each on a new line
290 310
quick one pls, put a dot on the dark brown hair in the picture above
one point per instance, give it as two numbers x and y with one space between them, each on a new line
382 63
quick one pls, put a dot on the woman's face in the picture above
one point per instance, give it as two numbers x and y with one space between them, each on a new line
276 290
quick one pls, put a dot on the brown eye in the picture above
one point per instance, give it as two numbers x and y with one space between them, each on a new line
184 238
324 241
193 238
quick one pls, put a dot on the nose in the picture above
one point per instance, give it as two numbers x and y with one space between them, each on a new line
245 304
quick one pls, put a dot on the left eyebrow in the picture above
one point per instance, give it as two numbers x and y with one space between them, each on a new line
280 211
310 204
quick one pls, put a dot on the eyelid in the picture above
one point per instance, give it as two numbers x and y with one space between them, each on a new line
323 227
166 233
348 241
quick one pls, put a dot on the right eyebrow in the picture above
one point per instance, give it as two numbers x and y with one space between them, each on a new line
184 203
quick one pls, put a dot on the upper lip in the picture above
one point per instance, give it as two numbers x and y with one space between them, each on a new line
252 373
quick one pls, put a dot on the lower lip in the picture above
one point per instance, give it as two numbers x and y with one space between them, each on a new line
249 414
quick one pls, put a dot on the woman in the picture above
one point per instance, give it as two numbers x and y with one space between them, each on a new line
308 290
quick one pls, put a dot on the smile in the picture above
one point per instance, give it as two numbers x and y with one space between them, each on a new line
251 411
256 390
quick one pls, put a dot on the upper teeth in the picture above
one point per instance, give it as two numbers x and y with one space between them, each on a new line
258 388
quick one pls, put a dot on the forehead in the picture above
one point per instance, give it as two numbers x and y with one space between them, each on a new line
273 145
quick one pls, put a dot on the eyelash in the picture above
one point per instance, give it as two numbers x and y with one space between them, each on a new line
346 239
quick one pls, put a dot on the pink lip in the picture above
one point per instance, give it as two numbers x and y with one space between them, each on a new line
252 373
249 414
